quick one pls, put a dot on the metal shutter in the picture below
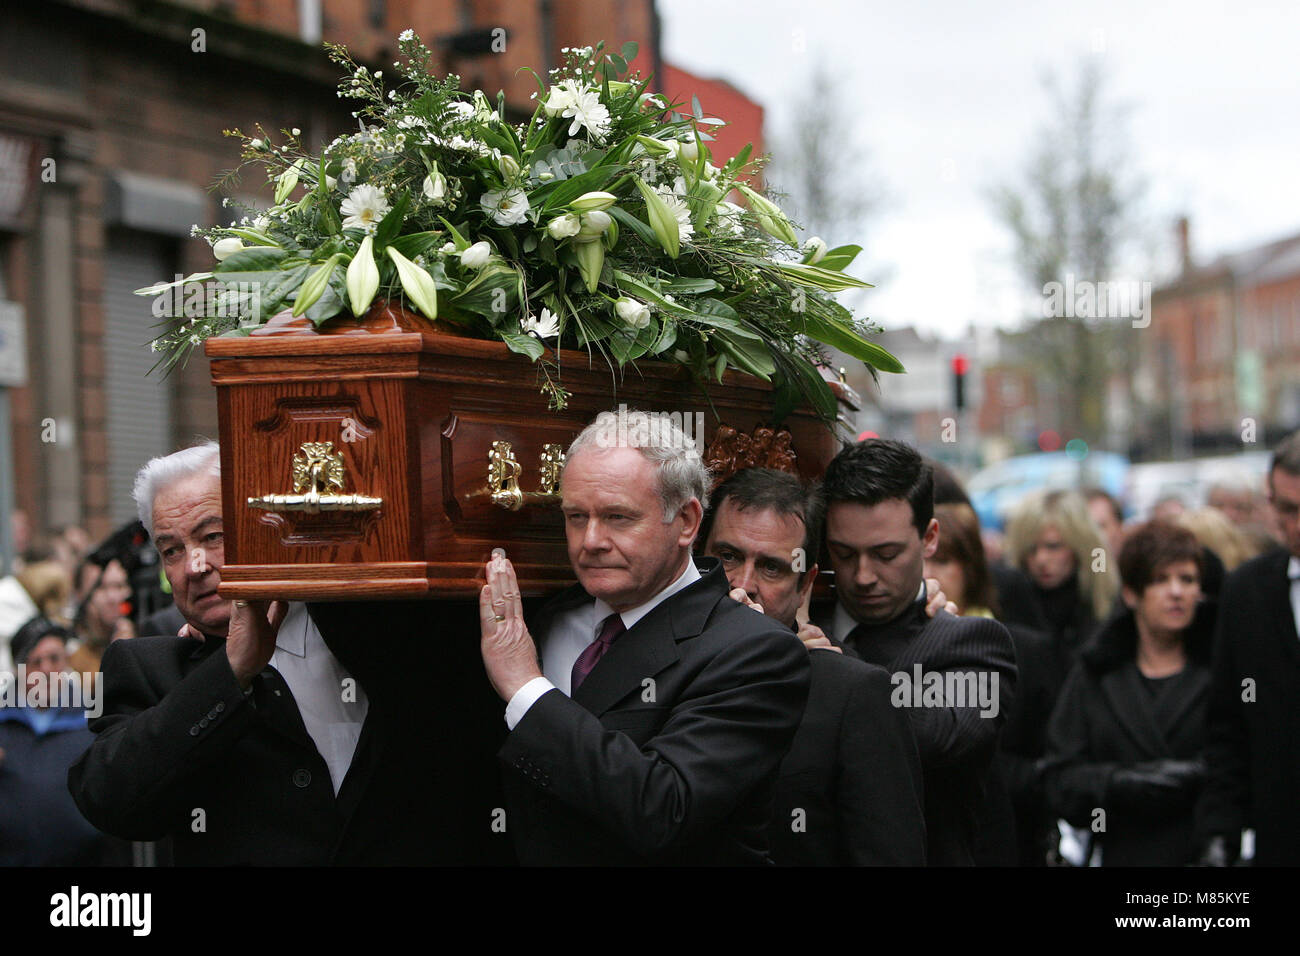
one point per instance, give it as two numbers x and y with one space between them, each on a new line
139 404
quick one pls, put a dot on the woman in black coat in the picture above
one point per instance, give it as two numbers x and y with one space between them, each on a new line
1127 738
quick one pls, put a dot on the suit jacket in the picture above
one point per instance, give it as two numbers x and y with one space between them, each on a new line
179 736
1254 746
956 743
849 791
1106 719
675 772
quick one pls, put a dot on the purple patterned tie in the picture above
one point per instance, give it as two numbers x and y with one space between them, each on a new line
609 632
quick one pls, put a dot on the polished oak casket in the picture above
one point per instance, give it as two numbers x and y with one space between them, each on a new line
387 457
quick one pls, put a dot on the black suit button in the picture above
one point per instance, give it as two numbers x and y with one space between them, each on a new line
221 706
302 778
212 715
194 731
203 722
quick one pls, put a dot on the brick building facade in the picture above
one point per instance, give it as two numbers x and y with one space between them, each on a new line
111 119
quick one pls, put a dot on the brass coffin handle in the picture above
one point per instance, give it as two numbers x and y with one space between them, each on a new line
504 471
317 467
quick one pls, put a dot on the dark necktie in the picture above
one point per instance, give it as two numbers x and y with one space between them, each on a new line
609 632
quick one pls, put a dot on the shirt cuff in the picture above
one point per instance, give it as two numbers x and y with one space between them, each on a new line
524 698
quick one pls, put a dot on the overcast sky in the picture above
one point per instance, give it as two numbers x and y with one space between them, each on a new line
946 97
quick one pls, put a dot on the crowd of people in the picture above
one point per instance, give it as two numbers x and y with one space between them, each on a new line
1084 691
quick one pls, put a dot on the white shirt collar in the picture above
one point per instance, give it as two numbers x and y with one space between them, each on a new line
292 637
1293 568
689 576
843 621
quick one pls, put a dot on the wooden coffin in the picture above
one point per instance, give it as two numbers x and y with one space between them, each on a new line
386 458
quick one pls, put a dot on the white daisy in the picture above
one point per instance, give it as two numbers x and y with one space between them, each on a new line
364 208
545 327
677 206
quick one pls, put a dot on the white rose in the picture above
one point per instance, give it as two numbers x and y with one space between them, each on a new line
634 313
476 256
557 101
225 248
561 227
594 223
435 187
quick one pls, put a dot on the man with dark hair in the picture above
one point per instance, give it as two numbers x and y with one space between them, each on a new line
849 791
955 676
1254 733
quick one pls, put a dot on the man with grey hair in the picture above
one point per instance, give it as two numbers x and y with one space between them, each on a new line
234 740
650 727
1254 723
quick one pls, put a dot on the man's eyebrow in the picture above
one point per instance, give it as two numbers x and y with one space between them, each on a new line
205 523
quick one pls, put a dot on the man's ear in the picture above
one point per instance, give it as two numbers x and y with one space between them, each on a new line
691 514
930 540
805 586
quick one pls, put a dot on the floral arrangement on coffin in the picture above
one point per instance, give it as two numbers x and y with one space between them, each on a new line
599 223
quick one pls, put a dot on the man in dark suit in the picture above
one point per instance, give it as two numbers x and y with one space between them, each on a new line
954 676
652 726
252 741
1254 722
849 791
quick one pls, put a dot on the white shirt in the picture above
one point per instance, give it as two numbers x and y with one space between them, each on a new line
842 623
332 704
1293 574
573 632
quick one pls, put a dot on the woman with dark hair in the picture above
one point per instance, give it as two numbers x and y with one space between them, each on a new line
1126 741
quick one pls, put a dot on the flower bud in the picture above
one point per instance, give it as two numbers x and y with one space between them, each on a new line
476 256
435 187
225 248
635 314
814 251
561 227
509 167
593 224
590 202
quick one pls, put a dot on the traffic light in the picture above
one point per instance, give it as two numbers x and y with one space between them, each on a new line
960 365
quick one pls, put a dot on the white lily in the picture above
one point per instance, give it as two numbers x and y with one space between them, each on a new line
476 256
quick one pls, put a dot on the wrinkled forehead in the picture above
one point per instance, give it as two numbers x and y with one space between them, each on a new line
756 528
183 506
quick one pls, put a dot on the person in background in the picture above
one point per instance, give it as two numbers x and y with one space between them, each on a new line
849 792
1168 507
1127 741
1226 545
1254 748
959 564
39 822
102 590
1242 501
1052 537
1108 515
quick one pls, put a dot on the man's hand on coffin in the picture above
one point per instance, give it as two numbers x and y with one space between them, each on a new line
509 654
250 642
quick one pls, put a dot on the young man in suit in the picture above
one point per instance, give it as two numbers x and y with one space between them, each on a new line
1254 722
880 527
650 728
849 791
250 741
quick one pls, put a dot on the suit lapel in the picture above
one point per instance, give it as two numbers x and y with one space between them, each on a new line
1131 703
651 644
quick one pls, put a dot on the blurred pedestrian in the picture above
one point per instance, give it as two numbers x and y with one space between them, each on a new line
1126 743
102 592
1108 515
1053 538
40 824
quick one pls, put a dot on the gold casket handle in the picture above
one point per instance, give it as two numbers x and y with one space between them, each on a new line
503 476
317 467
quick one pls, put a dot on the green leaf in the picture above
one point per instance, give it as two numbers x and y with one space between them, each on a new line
250 235
753 357
314 286
523 344
391 224
849 342
332 302
818 278
256 259
839 258
629 50
417 243
636 225
688 286
493 294
277 289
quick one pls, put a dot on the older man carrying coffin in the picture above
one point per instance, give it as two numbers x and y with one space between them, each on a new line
651 727
255 740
